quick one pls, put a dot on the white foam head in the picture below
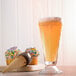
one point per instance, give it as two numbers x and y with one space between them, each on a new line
50 19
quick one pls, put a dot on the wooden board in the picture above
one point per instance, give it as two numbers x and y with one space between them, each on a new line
28 68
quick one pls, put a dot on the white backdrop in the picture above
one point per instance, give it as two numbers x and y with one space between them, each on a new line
19 26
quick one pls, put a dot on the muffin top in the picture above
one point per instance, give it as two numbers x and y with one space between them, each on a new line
33 52
12 52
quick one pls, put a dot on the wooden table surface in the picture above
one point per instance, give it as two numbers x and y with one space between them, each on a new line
67 71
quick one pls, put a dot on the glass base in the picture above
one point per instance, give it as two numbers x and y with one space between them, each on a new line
50 70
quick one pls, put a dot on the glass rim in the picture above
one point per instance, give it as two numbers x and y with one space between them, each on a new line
50 19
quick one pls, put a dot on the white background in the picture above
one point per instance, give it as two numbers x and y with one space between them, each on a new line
19 26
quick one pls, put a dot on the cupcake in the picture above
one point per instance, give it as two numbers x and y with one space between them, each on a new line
34 54
11 53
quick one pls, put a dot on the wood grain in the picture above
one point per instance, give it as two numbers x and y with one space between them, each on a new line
28 68
67 71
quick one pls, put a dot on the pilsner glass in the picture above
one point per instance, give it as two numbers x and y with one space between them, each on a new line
50 29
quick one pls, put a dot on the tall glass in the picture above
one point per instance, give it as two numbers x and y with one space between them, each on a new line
50 29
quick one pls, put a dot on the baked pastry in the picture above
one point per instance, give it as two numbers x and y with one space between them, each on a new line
34 54
11 53
23 59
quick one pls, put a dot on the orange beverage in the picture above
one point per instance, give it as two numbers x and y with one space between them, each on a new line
50 29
